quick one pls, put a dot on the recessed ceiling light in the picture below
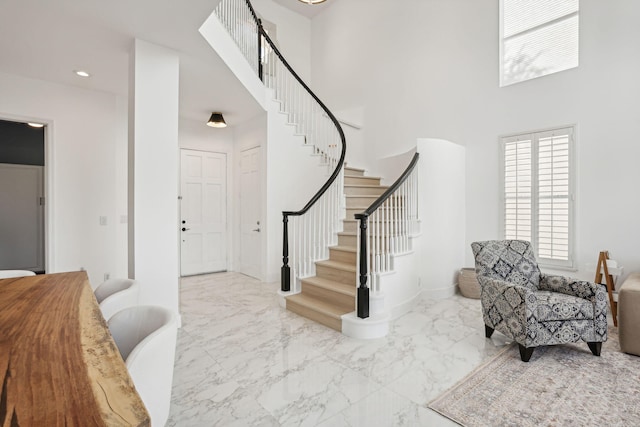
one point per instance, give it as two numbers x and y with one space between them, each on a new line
82 73
36 125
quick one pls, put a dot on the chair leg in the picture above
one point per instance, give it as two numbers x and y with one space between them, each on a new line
595 347
488 331
525 352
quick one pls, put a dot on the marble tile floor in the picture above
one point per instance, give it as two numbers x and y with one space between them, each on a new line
242 360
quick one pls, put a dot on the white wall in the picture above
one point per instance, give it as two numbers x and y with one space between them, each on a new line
84 172
153 173
293 176
352 125
441 203
284 156
430 69
196 135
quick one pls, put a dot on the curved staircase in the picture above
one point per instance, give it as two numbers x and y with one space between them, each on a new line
338 250
331 293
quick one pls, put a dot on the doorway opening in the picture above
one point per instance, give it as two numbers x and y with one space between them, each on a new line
22 163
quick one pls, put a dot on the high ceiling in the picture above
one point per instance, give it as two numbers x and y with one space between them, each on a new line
48 40
305 9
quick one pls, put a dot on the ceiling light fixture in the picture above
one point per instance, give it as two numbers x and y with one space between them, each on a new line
82 73
36 125
216 121
312 1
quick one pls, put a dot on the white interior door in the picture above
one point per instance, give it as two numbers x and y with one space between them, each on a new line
21 217
250 213
203 222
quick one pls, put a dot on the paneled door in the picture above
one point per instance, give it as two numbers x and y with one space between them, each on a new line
203 216
250 214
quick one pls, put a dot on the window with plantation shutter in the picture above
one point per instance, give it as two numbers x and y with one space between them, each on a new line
538 37
538 199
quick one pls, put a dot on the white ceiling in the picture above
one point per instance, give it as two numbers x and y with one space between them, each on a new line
305 9
47 40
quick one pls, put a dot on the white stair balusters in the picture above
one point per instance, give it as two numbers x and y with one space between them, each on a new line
384 230
312 229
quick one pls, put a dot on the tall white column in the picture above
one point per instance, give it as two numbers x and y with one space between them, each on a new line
153 173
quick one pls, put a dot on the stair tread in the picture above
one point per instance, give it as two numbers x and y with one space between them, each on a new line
332 285
337 265
316 304
365 185
342 248
347 233
362 177
353 168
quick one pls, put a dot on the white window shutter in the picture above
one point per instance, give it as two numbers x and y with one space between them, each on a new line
554 188
538 204
517 187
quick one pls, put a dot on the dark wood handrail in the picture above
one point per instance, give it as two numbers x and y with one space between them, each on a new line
363 290
336 172
286 270
343 152
384 196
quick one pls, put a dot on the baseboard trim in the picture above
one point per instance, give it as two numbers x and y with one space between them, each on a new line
374 326
440 293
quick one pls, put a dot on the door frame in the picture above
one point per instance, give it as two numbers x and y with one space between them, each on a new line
48 174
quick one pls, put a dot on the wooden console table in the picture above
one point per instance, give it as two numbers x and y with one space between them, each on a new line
59 365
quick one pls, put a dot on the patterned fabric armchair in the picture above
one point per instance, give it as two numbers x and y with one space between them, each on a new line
533 308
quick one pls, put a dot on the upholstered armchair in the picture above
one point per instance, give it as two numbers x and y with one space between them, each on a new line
533 308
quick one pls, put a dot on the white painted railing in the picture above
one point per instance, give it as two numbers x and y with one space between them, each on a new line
314 232
315 226
244 28
384 230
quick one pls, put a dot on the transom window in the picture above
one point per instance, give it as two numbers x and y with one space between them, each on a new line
538 193
538 37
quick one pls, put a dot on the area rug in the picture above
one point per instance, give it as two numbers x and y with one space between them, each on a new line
563 385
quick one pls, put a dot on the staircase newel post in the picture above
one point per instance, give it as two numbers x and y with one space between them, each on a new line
285 271
363 289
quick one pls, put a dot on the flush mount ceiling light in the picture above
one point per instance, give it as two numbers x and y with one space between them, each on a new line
312 1
36 125
216 121
81 73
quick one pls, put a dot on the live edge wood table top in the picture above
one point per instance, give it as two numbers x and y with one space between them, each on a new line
59 365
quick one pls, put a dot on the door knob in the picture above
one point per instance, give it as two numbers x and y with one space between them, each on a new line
185 229
257 229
